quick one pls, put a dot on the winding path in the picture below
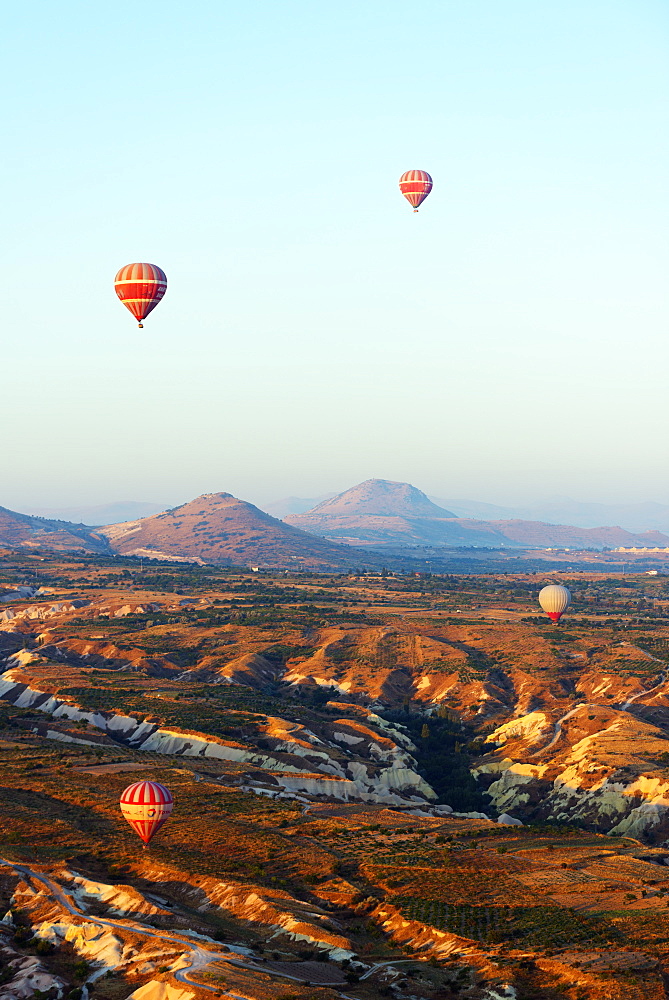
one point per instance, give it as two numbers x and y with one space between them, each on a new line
199 958
557 732
630 701
385 964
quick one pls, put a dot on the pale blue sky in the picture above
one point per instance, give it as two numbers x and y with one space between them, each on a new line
509 341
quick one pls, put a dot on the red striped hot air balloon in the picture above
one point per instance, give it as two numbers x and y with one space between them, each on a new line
415 185
146 805
140 287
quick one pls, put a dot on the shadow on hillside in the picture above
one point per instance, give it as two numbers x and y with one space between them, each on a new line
538 800
33 811
397 687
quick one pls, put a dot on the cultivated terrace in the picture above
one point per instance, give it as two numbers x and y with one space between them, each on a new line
385 785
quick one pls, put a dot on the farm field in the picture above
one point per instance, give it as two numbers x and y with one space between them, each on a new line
340 749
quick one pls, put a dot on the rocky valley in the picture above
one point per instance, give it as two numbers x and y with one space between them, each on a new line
385 784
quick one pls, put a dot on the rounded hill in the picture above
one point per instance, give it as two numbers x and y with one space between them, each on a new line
382 498
219 528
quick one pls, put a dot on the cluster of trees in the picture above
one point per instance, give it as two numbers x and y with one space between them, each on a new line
445 750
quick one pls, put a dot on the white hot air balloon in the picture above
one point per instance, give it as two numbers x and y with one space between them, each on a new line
554 600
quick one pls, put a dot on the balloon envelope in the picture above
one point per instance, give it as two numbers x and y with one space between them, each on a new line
415 185
555 600
146 805
140 287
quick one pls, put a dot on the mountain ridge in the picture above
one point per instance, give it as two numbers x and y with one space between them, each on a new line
338 533
387 513
639 517
20 530
635 517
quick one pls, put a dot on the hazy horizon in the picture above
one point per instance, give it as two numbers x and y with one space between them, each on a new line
266 495
268 500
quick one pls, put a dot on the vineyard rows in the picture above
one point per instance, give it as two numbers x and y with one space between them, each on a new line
538 926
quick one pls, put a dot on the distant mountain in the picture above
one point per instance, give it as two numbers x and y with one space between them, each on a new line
537 534
219 528
383 513
377 514
25 530
110 513
634 517
382 498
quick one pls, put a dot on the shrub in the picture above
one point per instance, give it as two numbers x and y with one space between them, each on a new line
81 969
22 935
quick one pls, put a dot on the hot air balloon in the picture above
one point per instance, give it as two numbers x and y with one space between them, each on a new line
146 805
554 600
415 185
140 287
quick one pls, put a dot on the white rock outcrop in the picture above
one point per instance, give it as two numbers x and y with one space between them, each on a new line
157 990
29 977
97 944
507 820
391 781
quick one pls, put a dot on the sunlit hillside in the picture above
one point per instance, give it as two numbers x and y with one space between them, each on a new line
385 784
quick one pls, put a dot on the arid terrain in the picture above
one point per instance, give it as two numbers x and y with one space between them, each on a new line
402 785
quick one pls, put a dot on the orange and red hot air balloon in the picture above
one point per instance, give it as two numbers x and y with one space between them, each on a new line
146 805
415 185
140 287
